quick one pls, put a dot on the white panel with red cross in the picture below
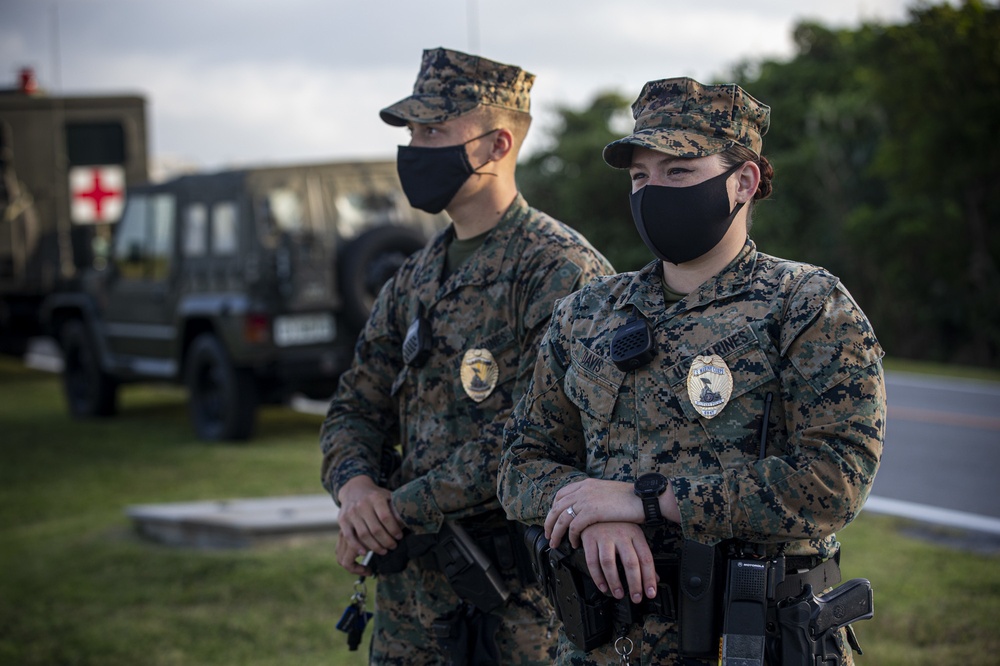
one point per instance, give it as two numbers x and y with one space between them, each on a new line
97 193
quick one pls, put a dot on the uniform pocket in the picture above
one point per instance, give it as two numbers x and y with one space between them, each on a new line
593 385
747 362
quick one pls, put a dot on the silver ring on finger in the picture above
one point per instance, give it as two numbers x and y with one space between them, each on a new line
571 512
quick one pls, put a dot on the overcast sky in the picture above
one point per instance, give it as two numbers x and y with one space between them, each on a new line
238 82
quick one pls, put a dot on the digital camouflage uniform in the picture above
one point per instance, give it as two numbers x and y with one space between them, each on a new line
450 429
783 328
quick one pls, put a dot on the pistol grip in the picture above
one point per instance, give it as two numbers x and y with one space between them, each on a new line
848 603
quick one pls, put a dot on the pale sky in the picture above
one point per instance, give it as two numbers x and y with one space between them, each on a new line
248 82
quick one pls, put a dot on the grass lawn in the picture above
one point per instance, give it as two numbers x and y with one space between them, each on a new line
78 588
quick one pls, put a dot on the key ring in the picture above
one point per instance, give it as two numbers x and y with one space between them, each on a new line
623 650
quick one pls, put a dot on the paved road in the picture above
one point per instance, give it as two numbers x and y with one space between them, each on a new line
942 444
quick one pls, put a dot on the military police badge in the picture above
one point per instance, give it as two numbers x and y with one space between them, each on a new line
479 373
709 385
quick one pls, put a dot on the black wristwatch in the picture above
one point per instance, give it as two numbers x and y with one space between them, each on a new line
648 488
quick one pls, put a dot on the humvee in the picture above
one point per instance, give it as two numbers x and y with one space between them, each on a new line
245 286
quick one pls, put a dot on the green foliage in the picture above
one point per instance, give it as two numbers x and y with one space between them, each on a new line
883 141
938 82
572 182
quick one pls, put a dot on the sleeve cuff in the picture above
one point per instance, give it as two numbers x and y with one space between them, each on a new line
415 504
345 473
704 507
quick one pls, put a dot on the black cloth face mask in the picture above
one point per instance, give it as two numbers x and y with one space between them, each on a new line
679 224
431 177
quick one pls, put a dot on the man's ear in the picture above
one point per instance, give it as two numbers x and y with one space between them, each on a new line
503 143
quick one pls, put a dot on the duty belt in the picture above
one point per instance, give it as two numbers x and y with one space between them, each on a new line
799 572
664 603
697 592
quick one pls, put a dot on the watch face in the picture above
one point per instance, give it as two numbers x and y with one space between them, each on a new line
651 483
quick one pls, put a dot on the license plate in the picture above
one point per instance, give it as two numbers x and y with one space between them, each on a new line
306 329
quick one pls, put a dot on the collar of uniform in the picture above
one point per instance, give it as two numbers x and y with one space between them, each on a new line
495 244
645 292
731 280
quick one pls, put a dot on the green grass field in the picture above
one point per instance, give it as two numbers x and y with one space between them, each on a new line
78 588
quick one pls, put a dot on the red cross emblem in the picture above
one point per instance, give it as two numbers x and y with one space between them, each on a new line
97 193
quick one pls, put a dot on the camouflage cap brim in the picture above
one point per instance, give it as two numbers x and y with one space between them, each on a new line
684 118
425 109
679 143
452 83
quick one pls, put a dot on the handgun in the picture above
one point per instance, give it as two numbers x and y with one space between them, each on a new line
809 623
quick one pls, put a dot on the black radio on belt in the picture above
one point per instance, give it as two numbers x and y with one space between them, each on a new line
633 347
417 344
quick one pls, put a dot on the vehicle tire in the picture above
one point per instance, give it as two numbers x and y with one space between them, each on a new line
367 262
89 391
222 399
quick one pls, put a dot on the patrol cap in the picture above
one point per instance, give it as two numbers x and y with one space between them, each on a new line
684 118
452 83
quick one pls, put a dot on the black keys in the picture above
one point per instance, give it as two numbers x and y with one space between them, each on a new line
355 618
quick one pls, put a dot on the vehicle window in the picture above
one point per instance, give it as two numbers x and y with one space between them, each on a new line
130 238
195 230
224 225
286 209
5 194
161 235
357 210
144 237
95 143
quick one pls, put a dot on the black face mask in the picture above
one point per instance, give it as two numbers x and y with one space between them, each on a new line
679 224
431 177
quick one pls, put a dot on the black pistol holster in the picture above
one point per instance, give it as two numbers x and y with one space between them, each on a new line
589 617
809 625
586 613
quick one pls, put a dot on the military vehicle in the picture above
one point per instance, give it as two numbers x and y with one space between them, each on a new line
64 165
245 286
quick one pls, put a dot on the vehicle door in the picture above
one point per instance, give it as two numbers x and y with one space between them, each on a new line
140 304
288 206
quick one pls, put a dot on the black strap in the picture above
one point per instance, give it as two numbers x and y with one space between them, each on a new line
824 575
469 636
503 545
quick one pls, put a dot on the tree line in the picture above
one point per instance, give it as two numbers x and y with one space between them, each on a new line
885 140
